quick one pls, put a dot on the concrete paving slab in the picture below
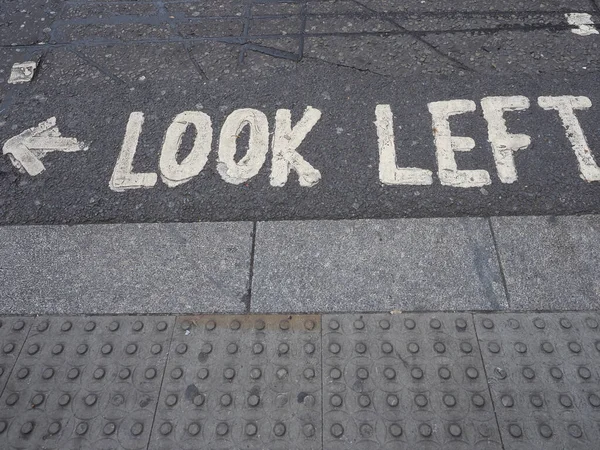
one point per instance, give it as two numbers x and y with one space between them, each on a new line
425 264
125 268
550 262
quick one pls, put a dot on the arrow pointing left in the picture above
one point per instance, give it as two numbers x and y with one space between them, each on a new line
28 148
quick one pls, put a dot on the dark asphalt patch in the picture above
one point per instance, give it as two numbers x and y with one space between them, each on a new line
342 145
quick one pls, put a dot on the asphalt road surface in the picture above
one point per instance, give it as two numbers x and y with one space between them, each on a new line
219 111
459 131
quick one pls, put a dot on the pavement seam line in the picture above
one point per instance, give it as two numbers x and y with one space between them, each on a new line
18 356
500 267
161 381
55 25
248 296
303 18
241 41
345 66
321 322
97 66
195 63
487 380
421 39
245 31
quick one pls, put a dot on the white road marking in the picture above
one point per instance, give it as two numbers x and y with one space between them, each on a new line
285 142
504 144
446 145
258 145
389 172
22 72
566 105
123 177
583 22
172 172
28 148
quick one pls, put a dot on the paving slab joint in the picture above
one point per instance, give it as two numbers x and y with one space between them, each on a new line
499 260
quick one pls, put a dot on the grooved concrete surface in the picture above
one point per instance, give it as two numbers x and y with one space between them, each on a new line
516 263
333 381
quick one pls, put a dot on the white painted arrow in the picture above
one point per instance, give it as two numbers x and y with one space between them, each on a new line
28 148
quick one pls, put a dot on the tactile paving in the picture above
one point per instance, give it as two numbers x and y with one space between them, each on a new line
544 374
405 381
346 381
85 383
250 382
13 332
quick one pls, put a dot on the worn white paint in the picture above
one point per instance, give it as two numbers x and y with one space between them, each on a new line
123 177
258 145
583 22
504 144
389 172
285 142
566 105
287 139
22 72
172 172
446 145
28 148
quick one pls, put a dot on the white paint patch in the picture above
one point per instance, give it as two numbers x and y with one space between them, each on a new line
503 143
389 172
123 177
174 173
285 142
446 145
566 105
583 22
28 148
258 145
22 72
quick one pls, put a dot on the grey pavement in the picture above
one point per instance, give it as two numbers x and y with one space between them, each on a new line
150 268
551 262
423 264
507 263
